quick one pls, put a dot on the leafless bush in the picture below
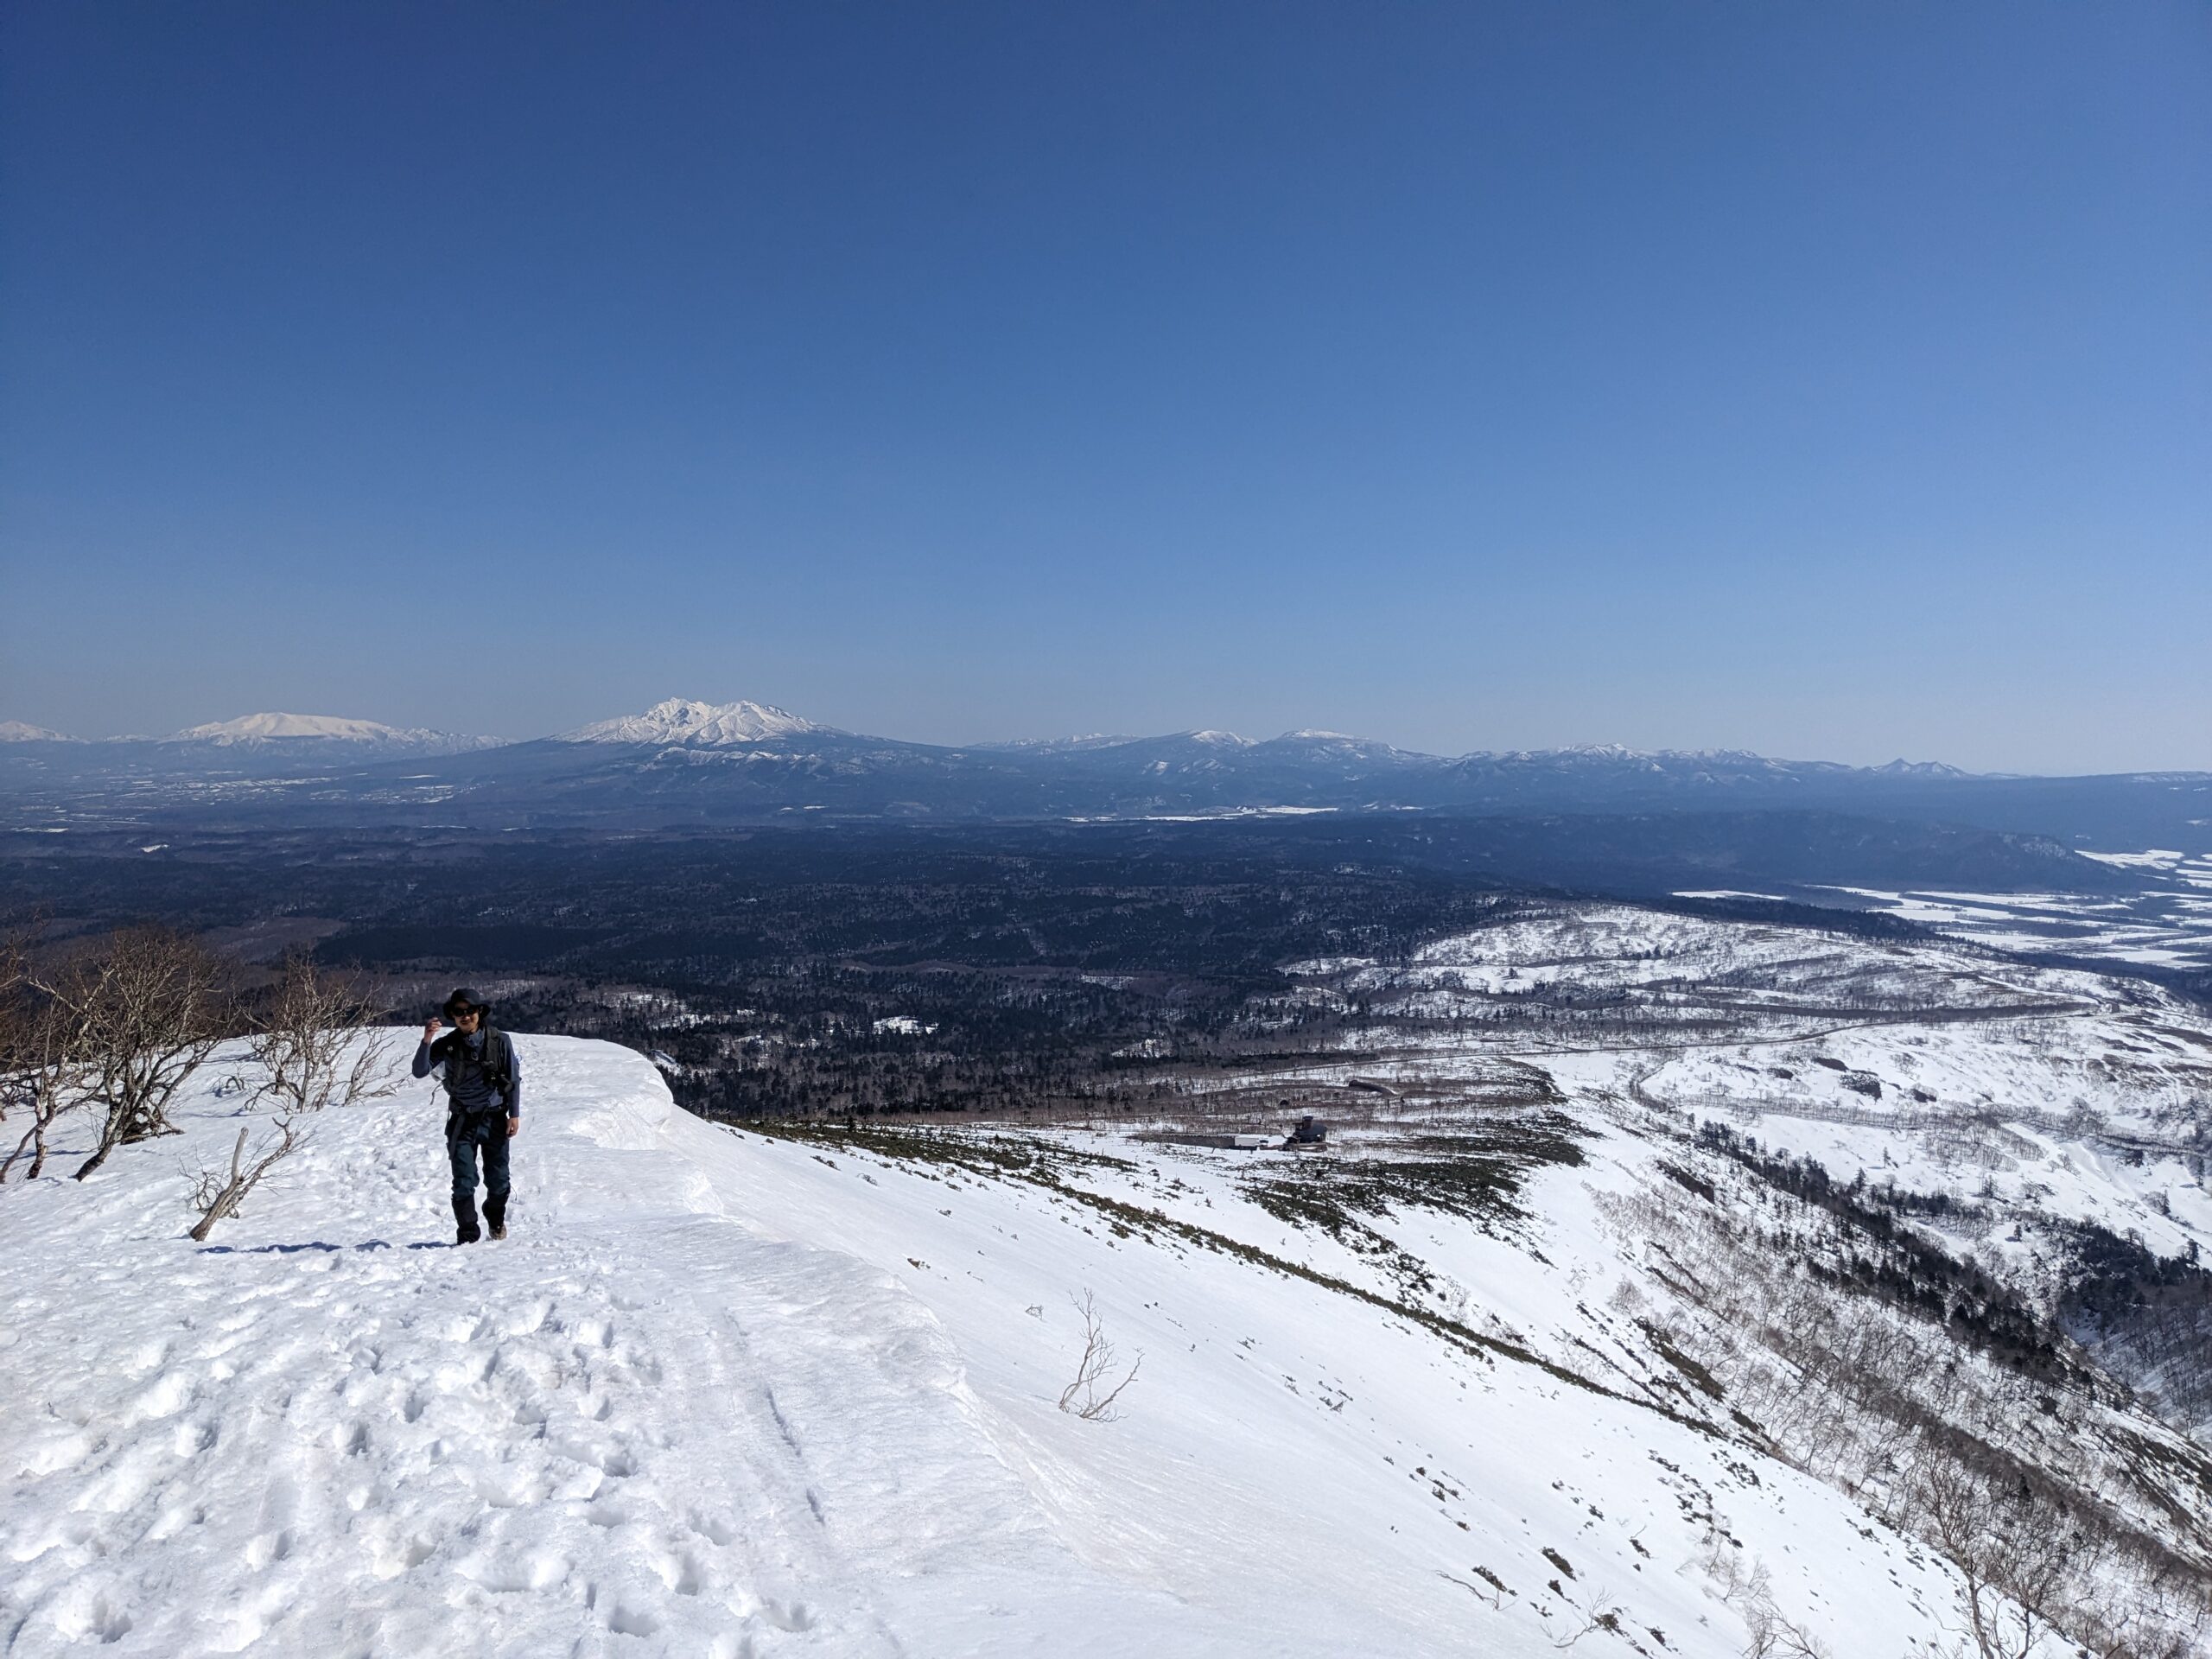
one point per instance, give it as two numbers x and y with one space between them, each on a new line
42 1071
310 1046
145 1009
1082 1396
1594 1615
1745 1586
313 1057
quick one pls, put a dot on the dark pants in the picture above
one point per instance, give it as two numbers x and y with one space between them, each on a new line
464 1135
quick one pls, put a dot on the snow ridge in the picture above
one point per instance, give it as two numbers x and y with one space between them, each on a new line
640 1426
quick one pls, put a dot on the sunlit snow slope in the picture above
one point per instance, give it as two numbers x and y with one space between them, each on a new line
723 1395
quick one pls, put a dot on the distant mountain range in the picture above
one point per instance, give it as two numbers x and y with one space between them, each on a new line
327 732
685 762
683 723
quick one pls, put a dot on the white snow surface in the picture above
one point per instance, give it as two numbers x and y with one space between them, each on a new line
2052 1094
723 1395
18 731
2164 925
684 721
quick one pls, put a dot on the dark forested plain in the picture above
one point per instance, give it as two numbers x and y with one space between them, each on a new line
851 968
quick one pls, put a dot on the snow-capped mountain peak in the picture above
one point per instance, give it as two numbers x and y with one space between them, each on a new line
18 731
249 727
252 731
686 720
1317 746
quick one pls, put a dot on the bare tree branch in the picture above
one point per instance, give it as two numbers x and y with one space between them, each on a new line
1081 1396
145 1008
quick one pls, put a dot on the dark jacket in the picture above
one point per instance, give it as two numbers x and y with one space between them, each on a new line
467 1086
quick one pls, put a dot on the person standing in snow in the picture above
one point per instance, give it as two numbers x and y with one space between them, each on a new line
484 1096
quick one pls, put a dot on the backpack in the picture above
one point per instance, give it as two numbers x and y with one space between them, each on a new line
499 1063
497 1067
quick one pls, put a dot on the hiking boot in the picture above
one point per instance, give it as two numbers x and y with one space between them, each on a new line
495 1216
464 1215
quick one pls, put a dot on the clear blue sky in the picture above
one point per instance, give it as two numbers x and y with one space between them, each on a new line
1830 380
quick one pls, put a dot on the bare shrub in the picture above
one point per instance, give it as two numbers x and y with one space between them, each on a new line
1082 1396
146 1007
1594 1616
1745 1586
42 1070
313 1056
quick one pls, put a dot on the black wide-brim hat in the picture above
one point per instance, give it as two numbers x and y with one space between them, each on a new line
463 999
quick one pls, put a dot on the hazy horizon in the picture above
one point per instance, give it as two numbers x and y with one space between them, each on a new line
1828 384
973 740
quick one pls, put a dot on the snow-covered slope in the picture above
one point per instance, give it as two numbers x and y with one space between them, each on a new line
724 1393
641 1425
17 731
2036 1105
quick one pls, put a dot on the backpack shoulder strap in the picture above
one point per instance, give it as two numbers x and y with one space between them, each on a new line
499 1062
